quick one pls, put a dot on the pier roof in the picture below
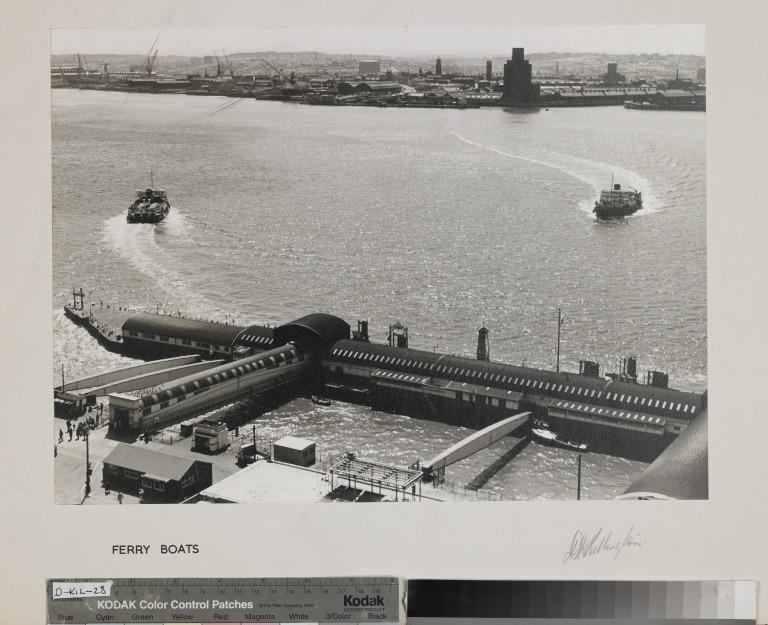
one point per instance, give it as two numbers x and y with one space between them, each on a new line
319 329
573 386
260 337
181 327
212 377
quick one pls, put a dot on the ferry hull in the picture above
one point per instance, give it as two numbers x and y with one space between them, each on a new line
615 212
147 218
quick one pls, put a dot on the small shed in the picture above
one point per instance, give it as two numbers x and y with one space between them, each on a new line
211 436
294 450
162 478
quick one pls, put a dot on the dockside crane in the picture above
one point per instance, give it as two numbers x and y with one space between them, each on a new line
82 66
149 61
218 64
291 79
231 69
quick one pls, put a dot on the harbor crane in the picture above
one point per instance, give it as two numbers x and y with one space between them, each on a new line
149 61
82 66
291 79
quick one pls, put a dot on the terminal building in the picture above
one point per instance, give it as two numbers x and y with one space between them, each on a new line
319 354
618 417
281 368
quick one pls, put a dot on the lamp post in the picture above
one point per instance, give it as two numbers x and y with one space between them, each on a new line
559 323
578 480
87 464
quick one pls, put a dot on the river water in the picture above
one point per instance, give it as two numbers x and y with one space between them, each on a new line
442 219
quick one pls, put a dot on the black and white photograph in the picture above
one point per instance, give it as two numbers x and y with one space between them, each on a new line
379 264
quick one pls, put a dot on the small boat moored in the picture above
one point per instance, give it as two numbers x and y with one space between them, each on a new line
322 401
548 437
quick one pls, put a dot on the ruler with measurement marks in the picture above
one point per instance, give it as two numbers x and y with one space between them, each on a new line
225 600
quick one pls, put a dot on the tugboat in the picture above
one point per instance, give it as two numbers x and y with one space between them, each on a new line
615 203
150 207
548 437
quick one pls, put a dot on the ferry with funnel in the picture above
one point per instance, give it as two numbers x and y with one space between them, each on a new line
616 203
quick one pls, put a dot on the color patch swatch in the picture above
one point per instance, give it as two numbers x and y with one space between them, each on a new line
464 601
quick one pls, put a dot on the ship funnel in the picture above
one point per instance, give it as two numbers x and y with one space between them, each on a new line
483 346
589 368
362 331
398 335
617 187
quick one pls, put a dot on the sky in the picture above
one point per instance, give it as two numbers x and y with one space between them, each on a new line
389 41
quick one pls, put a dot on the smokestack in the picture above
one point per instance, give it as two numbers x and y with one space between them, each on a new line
483 346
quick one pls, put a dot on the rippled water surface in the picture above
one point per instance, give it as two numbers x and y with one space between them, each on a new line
443 219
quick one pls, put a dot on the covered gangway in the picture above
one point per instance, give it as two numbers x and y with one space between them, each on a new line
435 468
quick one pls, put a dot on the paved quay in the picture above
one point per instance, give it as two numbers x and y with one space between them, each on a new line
69 473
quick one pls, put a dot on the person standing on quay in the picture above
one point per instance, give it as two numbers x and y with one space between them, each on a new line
120 498
61 436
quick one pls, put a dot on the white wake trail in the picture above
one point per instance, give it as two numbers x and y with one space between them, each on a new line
593 173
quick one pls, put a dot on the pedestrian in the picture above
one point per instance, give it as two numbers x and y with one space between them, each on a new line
77 432
61 436
69 431
120 498
55 450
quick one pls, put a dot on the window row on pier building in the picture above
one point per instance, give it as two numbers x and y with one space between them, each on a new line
361 360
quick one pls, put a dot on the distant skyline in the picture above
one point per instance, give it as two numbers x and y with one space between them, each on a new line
389 41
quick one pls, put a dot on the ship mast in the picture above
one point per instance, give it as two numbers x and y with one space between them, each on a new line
559 323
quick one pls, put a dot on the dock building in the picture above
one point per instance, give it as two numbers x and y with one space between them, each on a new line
519 89
316 353
270 371
612 77
366 68
619 417
159 477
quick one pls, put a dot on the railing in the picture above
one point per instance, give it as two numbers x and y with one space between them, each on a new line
478 494
166 437
263 446
323 461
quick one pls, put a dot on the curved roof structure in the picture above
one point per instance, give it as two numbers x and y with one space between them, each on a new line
258 337
625 395
227 371
181 327
315 330
681 471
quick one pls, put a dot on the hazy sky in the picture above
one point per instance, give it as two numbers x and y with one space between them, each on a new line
390 41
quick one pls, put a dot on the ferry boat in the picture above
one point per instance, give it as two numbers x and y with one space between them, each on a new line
547 437
615 203
150 207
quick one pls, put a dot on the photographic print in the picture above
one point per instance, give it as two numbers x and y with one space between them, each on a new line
379 264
